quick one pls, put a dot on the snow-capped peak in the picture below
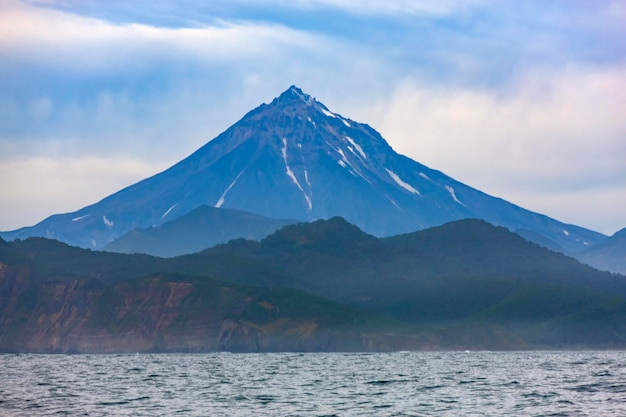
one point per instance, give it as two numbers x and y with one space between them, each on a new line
292 94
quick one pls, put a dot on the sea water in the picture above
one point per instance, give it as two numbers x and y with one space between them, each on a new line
316 384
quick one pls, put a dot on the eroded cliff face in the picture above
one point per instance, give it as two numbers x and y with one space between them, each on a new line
60 314
44 312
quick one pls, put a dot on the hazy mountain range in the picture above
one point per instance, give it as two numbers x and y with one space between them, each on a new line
608 255
199 229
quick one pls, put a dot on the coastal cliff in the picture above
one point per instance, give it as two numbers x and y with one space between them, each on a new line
166 313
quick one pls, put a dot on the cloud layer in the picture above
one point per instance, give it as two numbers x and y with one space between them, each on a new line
555 144
525 102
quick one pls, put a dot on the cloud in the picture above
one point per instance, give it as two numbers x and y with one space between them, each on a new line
557 133
190 11
390 7
46 34
41 186
600 209
134 86
524 101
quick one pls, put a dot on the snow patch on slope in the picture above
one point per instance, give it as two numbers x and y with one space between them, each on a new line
345 122
453 194
343 156
293 176
426 177
357 147
401 183
108 223
168 211
344 162
327 113
394 203
306 179
76 219
223 197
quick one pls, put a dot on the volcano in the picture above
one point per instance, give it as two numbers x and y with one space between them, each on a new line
295 159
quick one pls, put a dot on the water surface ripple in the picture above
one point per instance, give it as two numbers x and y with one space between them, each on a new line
316 384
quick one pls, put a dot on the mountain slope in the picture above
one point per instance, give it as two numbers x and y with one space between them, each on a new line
609 255
293 158
199 229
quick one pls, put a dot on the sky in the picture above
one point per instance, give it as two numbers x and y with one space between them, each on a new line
523 100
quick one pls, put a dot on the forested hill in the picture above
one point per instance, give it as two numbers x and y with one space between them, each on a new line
325 285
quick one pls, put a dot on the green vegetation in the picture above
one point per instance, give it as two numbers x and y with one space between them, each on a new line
324 285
